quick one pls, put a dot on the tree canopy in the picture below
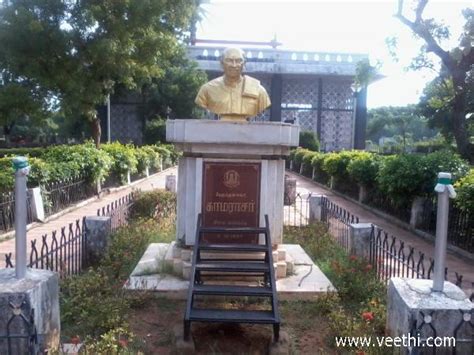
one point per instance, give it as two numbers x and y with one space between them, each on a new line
448 96
71 54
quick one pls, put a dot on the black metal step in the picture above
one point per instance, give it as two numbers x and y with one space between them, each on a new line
244 230
233 266
232 316
234 247
225 290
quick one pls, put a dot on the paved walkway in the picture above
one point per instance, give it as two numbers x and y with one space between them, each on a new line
453 262
90 209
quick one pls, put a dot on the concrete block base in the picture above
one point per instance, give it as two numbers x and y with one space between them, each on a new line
297 276
413 306
182 346
37 295
282 346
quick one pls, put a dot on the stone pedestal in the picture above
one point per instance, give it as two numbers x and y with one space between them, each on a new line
413 308
204 141
30 303
98 230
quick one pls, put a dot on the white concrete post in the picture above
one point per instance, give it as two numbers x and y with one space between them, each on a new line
445 190
147 171
315 208
359 241
21 171
170 184
129 180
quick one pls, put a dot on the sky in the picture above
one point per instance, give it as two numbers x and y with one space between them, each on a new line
338 26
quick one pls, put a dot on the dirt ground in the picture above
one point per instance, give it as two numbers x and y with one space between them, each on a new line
154 319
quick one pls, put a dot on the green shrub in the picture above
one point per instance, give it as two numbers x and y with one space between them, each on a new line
36 152
124 158
307 158
404 177
465 192
363 168
309 141
82 159
299 155
91 304
155 132
7 177
118 341
335 164
153 156
153 204
317 163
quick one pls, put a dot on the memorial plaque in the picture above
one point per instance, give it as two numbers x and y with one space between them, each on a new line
231 198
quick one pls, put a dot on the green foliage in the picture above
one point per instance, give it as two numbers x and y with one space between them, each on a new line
309 141
92 304
30 152
155 204
359 309
174 93
447 100
404 177
124 158
363 168
118 341
82 159
335 164
407 122
317 163
73 54
465 192
155 131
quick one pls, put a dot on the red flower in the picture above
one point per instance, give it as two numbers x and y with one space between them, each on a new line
368 316
360 352
75 340
353 257
368 267
123 343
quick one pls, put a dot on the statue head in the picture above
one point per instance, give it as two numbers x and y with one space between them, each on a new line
232 62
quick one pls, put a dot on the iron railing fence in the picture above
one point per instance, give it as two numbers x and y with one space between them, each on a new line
56 197
118 211
7 211
59 195
338 221
18 334
424 327
63 252
390 257
460 225
296 212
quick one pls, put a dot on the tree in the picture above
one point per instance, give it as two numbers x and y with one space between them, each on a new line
435 105
174 93
405 121
78 51
457 65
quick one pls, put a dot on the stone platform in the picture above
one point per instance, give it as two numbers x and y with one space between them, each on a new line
165 268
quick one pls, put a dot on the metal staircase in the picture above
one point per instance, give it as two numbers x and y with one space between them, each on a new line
212 265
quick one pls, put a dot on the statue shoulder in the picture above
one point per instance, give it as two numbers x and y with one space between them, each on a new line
251 81
217 82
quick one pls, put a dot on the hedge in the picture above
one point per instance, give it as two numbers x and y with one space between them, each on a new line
401 177
63 162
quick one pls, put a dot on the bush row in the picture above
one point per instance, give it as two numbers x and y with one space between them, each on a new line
63 162
400 177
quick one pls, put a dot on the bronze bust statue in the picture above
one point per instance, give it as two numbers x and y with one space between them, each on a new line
233 96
